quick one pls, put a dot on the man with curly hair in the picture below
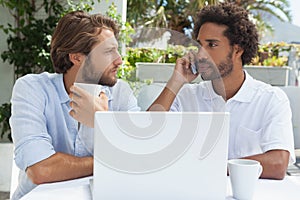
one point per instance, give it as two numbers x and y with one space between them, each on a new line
260 115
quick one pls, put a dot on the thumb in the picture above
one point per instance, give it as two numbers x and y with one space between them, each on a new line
103 96
103 101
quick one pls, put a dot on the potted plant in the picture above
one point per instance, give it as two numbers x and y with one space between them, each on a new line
154 65
271 63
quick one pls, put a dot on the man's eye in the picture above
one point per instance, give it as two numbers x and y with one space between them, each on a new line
212 44
108 52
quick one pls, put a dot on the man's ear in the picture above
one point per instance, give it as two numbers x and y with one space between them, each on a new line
237 51
76 58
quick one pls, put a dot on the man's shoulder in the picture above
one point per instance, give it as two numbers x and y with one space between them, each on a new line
265 89
44 77
36 82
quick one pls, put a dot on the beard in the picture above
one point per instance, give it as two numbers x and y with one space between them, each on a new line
107 78
108 81
89 73
217 71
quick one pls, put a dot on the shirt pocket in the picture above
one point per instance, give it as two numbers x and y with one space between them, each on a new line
248 142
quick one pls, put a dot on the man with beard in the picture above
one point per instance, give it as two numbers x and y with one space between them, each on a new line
46 108
260 115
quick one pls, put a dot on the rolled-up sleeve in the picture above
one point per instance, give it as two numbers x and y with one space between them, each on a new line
278 128
28 123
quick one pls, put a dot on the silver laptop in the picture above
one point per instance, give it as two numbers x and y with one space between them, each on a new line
160 155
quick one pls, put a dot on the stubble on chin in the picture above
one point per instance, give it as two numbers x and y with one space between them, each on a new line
211 73
107 81
220 71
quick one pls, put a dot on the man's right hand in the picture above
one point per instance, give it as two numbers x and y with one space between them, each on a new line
84 105
182 74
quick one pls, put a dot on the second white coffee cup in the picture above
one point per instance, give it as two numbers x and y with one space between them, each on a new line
244 174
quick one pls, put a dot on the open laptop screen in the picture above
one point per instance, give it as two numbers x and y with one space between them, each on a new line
160 155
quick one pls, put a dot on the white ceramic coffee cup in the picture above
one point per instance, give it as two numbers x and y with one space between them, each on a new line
88 139
244 174
93 89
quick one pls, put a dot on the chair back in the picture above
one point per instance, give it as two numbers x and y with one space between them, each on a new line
293 93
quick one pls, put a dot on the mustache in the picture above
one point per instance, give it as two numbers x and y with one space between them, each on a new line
202 61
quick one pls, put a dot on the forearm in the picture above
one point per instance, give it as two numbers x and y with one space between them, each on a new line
274 163
164 101
182 74
60 167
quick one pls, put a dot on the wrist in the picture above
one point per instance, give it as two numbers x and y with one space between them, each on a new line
174 84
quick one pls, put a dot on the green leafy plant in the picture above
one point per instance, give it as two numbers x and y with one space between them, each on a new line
274 54
126 29
180 15
125 72
134 55
5 112
29 40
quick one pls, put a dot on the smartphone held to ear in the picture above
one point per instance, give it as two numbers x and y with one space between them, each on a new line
194 67
194 62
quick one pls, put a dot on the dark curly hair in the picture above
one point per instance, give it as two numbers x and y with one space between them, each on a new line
77 32
240 31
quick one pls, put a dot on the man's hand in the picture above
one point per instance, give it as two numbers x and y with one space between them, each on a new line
182 73
84 105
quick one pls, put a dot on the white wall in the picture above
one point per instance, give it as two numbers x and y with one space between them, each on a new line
6 71
6 159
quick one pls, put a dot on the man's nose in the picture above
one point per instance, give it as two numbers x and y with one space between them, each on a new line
202 53
118 60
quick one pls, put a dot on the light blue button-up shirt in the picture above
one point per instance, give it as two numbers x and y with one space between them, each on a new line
41 124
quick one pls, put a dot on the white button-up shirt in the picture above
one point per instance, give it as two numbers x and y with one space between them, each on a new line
260 115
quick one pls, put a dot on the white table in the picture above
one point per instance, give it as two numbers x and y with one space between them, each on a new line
289 189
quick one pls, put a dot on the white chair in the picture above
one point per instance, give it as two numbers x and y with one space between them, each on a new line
293 94
148 93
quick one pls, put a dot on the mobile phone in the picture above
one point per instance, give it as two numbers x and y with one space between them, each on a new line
194 67
195 63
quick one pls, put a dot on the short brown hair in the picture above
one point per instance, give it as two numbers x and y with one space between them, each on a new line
240 30
77 32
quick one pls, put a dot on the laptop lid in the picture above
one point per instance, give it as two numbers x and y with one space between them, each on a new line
160 155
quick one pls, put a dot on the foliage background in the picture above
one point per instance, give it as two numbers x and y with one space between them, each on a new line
29 38
180 15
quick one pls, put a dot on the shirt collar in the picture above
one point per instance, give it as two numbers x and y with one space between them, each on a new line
247 91
209 92
108 91
58 82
